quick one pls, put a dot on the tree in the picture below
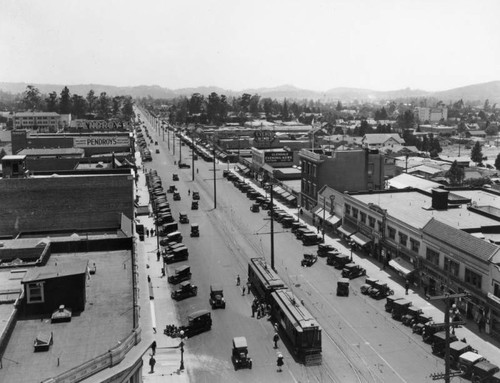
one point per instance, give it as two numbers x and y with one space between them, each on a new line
31 98
127 109
455 174
253 106
91 101
339 106
103 106
497 162
196 103
65 101
491 130
116 106
476 154
79 106
52 102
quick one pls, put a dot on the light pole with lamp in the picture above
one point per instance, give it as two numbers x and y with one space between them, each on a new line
181 345
323 222
351 245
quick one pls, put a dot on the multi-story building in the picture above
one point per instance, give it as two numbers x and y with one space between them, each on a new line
431 114
38 121
348 170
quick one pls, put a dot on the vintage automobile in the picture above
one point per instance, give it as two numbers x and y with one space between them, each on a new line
309 260
296 226
240 353
185 290
196 196
253 194
181 274
255 208
419 323
483 371
176 255
198 322
177 196
389 303
338 260
467 360
457 348
225 173
299 233
172 189
195 230
216 299
287 222
411 316
183 217
351 271
183 165
157 151
194 205
324 249
311 239
438 342
399 308
164 218
175 236
168 228
430 328
368 285
175 177
381 291
343 287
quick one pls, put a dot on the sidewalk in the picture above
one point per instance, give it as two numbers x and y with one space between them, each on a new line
485 344
156 313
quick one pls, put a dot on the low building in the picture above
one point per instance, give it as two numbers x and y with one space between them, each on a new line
37 121
386 140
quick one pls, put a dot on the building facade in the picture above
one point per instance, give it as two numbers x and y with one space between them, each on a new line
39 121
431 114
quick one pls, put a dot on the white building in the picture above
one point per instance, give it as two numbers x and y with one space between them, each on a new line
431 114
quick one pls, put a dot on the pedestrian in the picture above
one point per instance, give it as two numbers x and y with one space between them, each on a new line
238 280
407 286
152 362
248 286
149 279
153 347
158 256
152 232
189 192
279 362
243 290
147 233
196 170
253 309
276 338
301 211
259 311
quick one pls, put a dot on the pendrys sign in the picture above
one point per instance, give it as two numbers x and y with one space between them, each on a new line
94 125
93 142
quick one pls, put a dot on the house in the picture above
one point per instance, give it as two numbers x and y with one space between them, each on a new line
375 141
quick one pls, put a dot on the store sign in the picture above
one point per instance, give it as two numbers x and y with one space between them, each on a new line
274 157
93 142
102 125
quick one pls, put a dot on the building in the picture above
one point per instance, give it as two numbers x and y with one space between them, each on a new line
37 121
341 170
383 140
431 114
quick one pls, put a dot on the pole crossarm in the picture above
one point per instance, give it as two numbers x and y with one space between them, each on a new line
442 375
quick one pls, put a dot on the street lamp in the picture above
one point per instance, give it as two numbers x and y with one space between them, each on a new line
181 345
351 245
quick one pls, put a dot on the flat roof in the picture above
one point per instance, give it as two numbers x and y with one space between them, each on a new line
107 320
51 151
415 208
13 157
43 273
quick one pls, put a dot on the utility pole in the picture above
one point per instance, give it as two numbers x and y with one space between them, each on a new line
272 229
180 149
447 298
192 158
215 179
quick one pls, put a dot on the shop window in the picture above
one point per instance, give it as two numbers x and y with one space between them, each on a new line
362 217
35 292
473 278
371 222
451 266
403 239
432 256
496 290
347 209
391 232
355 213
415 245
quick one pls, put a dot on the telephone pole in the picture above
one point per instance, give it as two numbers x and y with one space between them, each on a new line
447 298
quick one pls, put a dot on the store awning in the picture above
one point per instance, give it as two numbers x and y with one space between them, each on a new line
360 239
401 266
319 212
291 198
279 191
285 195
347 230
333 220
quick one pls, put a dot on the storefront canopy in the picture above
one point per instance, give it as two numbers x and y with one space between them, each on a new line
333 220
347 230
291 198
401 266
360 239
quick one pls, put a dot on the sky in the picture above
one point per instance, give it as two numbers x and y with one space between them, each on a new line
312 44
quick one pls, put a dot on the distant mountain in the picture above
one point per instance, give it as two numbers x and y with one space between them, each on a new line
475 92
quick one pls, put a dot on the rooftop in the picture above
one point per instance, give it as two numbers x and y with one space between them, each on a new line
88 334
51 151
404 181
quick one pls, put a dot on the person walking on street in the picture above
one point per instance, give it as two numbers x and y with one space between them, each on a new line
407 286
279 362
147 233
254 308
276 338
153 347
189 192
238 280
152 362
243 290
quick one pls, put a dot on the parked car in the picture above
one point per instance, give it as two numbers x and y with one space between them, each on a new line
183 217
311 239
176 236
185 290
368 285
255 208
457 348
309 260
216 299
287 222
324 249
183 165
399 308
343 287
177 196
194 205
438 342
196 196
175 177
381 291
240 353
338 260
467 360
483 371
182 273
351 271
176 255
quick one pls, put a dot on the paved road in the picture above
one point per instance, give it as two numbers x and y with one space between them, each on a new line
361 343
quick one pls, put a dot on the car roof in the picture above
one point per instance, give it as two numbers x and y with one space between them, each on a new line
240 341
197 314
182 268
216 287
470 356
185 283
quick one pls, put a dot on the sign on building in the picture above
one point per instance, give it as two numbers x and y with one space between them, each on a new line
100 125
93 142
274 157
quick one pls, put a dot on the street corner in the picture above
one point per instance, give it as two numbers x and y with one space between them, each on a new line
166 367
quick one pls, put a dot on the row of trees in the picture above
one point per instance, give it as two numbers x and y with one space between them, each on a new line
100 107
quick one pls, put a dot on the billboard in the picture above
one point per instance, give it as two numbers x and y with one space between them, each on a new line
94 142
97 125
274 157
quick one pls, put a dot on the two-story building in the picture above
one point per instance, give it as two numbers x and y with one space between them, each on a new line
37 121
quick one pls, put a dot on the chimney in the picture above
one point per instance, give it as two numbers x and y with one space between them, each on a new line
440 199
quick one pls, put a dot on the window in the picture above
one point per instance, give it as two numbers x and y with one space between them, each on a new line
371 222
496 290
403 239
380 228
362 217
392 232
314 170
347 209
432 256
472 278
415 245
355 212
35 292
451 266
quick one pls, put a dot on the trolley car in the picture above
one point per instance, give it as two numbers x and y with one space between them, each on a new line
301 331
263 280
